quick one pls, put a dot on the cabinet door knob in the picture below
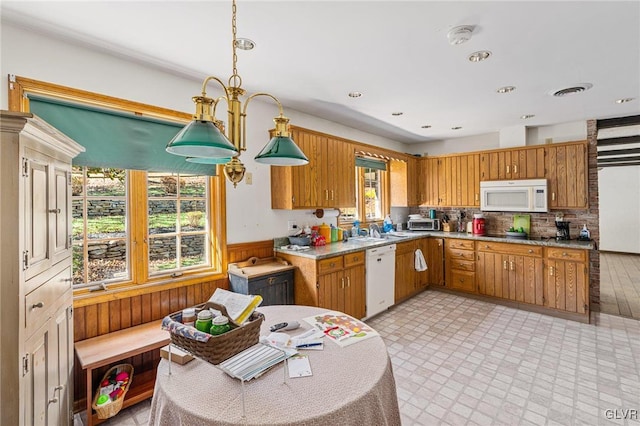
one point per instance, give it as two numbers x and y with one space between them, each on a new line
53 400
565 254
504 265
530 251
58 388
271 280
37 305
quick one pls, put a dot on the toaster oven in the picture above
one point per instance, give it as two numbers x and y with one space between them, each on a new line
424 224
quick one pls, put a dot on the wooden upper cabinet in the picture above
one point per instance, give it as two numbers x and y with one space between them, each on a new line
407 182
327 181
513 163
567 175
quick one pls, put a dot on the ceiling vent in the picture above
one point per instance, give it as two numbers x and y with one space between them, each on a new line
571 90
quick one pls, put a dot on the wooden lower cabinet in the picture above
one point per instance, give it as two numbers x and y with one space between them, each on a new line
408 281
336 283
510 271
435 260
567 280
460 262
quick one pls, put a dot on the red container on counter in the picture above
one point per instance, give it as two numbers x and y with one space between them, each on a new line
478 224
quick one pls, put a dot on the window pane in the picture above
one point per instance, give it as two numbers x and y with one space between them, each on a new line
77 216
162 254
106 218
162 216
193 214
193 186
193 250
162 184
105 182
107 260
78 264
100 225
372 194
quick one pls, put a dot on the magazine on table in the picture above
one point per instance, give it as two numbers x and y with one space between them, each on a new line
341 328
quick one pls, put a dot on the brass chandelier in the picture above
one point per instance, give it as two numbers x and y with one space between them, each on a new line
203 140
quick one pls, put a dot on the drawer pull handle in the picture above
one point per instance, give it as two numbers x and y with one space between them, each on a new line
58 388
271 280
487 246
515 168
54 211
332 264
348 281
565 254
530 251
37 305
342 282
53 400
67 280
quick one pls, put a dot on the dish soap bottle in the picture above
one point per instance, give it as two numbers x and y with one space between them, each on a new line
585 234
387 225
355 229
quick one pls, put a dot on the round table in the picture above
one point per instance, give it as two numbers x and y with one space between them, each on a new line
352 385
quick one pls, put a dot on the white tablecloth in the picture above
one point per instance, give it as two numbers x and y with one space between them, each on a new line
353 385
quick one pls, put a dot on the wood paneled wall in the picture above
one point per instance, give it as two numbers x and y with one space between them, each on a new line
105 317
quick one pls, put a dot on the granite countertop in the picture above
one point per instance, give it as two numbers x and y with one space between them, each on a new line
364 243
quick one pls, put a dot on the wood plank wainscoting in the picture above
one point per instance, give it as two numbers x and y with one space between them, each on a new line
92 320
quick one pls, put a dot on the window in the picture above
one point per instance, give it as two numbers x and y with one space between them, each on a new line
372 201
118 213
99 213
178 224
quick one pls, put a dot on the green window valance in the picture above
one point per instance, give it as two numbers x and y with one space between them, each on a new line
371 163
115 138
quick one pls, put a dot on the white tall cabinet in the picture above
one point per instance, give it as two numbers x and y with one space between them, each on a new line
36 320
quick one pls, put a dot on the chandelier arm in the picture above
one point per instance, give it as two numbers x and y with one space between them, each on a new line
215 103
243 116
208 79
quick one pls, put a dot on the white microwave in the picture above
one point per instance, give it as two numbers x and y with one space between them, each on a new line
527 195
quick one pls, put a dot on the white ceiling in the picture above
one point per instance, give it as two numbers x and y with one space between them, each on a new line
310 54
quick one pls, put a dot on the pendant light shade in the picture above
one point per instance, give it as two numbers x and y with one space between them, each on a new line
282 151
208 160
201 138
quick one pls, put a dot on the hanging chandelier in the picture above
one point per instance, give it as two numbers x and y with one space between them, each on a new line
204 140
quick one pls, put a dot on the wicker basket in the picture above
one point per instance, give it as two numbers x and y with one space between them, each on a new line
111 409
221 347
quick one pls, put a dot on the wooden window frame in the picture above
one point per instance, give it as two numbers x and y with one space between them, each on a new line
141 283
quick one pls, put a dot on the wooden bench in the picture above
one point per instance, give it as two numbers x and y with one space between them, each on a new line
113 347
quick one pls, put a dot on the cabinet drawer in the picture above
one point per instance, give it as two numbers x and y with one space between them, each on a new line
464 265
460 244
460 254
566 254
462 280
39 302
353 259
330 265
508 248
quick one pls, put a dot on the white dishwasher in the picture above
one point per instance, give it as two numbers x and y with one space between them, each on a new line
381 271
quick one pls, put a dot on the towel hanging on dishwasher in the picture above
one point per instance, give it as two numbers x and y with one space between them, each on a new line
420 262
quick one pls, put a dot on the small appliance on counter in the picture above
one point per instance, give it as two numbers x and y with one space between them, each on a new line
424 224
562 230
478 224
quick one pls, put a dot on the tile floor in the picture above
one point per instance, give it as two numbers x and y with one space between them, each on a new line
460 361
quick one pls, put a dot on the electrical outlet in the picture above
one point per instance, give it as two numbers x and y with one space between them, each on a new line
248 178
291 225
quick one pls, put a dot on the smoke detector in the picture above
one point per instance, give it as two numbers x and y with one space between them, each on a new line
572 90
460 34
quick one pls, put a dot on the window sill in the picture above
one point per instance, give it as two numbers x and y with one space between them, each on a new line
84 297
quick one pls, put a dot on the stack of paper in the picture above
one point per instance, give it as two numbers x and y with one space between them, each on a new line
252 362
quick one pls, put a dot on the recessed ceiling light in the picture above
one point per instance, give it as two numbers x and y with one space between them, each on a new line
456 128
245 44
396 113
527 116
479 56
572 90
624 100
426 126
355 94
506 89
459 35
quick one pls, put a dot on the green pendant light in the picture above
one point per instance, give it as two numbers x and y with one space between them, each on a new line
208 160
281 149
